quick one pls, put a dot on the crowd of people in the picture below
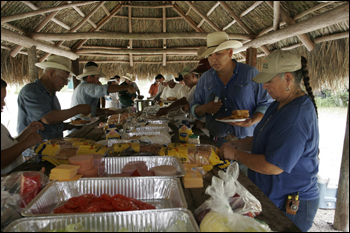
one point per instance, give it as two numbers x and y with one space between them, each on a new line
277 146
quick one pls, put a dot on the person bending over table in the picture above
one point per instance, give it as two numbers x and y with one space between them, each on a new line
12 148
126 98
37 101
285 145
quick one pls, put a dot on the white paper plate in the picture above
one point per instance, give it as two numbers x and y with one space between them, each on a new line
231 120
92 119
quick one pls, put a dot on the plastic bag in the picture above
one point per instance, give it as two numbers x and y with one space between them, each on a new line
17 191
228 196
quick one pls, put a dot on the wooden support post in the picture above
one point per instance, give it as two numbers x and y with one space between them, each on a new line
32 59
341 216
130 41
76 71
164 30
251 58
276 15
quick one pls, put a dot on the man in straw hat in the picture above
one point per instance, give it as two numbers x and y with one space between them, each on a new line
89 91
37 101
127 99
190 78
229 81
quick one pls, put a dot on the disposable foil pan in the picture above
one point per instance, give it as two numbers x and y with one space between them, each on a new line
145 133
132 221
158 121
161 192
114 165
152 129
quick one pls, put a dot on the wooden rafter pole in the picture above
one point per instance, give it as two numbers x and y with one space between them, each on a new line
249 9
185 17
143 6
9 18
138 51
83 15
302 37
18 48
337 15
13 27
27 42
209 13
276 15
32 59
144 62
130 31
102 22
134 36
146 18
33 7
164 30
3 3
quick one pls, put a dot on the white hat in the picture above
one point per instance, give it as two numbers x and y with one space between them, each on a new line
218 41
57 62
129 77
91 70
278 62
168 77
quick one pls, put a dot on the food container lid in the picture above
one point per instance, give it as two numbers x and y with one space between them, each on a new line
193 136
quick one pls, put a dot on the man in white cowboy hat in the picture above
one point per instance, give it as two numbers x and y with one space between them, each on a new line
37 101
89 91
172 88
230 81
127 99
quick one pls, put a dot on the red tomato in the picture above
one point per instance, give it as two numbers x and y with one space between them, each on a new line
146 206
94 207
83 203
107 197
88 196
71 203
122 204
96 199
107 207
63 209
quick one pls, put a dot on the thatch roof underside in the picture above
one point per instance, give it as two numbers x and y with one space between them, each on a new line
328 60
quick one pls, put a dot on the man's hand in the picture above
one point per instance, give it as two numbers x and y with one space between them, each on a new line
162 111
34 126
247 123
32 139
131 89
227 151
213 107
84 109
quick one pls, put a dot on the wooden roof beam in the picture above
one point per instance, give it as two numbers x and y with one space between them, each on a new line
138 51
337 15
146 18
249 9
33 7
304 38
203 16
13 27
27 42
130 41
133 36
185 17
107 47
18 48
209 13
3 3
142 6
83 15
104 8
240 22
276 15
9 18
144 62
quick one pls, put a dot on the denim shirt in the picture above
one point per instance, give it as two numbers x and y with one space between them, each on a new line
35 102
88 93
240 93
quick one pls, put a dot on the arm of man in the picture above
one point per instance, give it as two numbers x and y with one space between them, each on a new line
118 88
174 106
57 116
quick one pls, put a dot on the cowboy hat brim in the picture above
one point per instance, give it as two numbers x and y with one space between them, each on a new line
81 76
230 44
126 77
54 65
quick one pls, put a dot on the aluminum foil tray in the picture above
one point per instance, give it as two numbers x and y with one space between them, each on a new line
152 133
161 192
153 129
158 121
131 221
114 165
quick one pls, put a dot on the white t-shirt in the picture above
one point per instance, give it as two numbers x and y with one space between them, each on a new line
183 91
170 92
160 88
6 142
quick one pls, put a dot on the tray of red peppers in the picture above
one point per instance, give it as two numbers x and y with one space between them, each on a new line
104 203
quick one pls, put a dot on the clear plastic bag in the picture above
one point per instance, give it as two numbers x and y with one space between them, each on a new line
228 196
17 191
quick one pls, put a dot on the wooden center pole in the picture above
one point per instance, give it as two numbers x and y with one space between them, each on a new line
76 71
251 56
32 59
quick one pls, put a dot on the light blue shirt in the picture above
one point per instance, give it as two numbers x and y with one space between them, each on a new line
88 93
35 102
240 93
289 139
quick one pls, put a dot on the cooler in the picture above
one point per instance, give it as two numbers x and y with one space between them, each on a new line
328 192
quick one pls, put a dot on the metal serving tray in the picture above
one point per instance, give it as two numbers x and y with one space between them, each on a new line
145 133
131 221
114 165
161 192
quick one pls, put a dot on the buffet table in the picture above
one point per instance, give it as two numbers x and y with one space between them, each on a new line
270 214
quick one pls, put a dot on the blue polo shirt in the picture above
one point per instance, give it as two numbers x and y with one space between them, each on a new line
35 102
289 139
88 93
240 93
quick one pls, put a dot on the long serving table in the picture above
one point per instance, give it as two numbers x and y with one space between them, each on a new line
270 214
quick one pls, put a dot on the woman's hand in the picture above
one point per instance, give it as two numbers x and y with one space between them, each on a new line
228 151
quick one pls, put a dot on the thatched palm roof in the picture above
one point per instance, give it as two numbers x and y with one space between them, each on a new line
184 25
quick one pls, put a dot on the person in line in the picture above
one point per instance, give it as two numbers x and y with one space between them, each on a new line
162 84
230 81
12 148
37 101
112 100
102 100
184 88
190 78
153 90
137 89
285 145
126 99
172 88
89 91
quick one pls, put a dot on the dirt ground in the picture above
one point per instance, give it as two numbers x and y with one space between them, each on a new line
323 221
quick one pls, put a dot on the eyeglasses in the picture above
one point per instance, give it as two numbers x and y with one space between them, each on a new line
65 78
